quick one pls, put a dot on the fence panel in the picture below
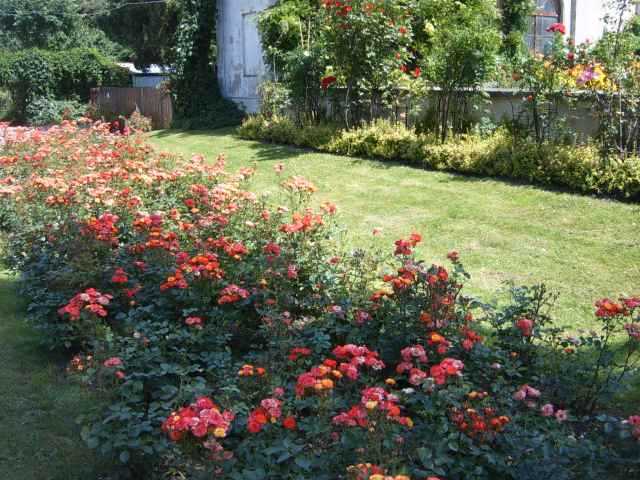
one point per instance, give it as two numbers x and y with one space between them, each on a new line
153 103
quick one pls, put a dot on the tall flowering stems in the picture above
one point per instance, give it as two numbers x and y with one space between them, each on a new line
172 285
367 43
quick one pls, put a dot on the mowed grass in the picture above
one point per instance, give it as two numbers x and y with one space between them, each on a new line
39 439
584 248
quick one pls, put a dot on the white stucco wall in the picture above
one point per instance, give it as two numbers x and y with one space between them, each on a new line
589 23
589 18
240 63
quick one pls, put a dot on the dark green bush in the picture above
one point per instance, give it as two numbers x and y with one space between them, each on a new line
46 111
580 168
64 75
5 103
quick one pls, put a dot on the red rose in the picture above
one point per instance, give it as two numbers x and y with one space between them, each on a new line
327 81
290 423
557 28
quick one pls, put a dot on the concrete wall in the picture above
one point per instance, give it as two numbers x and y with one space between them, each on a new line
508 104
240 63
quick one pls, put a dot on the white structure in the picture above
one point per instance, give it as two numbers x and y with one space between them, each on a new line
150 77
240 63
240 60
584 20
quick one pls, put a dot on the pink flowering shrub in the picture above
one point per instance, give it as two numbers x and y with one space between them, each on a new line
228 336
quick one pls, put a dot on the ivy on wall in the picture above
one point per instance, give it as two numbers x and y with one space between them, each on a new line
198 101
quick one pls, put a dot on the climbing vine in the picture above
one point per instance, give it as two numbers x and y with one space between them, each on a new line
199 103
515 16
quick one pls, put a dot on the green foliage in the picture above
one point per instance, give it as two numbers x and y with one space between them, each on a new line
274 99
54 25
515 23
618 107
147 30
366 47
459 54
284 27
380 139
5 103
63 75
290 31
281 129
32 76
45 111
579 168
367 58
313 49
198 101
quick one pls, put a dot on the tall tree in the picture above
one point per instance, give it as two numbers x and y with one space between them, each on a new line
54 24
147 27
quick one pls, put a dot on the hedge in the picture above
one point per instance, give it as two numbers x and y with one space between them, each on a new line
63 75
579 168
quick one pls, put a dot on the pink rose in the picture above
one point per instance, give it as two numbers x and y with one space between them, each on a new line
520 395
113 362
548 410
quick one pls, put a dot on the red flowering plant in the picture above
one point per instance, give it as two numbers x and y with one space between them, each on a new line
367 43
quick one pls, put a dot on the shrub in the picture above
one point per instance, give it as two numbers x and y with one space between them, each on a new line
380 139
580 168
274 99
228 335
63 75
31 77
139 122
281 129
45 111
460 46
5 103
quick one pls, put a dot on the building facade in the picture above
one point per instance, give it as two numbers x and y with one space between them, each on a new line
584 20
241 66
240 59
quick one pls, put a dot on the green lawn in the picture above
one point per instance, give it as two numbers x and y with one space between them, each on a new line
582 247
39 439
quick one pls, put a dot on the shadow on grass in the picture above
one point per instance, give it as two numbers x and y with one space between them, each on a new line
39 438
221 132
263 151
271 152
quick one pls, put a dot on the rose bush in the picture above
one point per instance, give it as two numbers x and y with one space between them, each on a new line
227 334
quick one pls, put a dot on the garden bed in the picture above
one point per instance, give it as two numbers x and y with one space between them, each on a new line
231 335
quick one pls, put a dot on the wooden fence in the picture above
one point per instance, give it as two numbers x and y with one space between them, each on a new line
112 102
